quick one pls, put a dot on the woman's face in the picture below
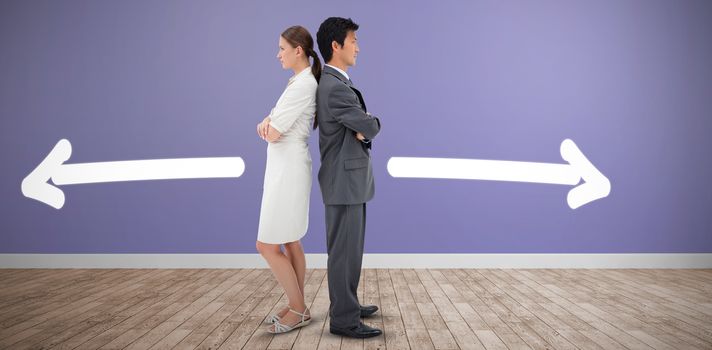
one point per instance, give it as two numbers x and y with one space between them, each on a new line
287 54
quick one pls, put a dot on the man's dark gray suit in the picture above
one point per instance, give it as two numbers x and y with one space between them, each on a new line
346 181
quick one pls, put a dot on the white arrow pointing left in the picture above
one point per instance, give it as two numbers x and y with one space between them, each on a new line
36 185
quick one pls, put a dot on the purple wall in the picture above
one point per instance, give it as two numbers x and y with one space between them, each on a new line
629 81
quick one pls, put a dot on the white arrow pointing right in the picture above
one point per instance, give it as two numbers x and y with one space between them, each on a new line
595 185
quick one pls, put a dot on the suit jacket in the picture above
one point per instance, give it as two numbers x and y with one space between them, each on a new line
345 175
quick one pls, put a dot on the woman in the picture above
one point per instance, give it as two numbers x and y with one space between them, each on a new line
284 216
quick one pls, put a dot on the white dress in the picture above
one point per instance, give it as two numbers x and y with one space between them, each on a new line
284 215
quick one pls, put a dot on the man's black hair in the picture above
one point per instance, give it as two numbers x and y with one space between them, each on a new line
333 29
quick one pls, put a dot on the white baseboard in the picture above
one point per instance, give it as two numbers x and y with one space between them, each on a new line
219 261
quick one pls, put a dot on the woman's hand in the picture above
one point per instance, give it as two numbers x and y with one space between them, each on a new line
272 134
263 128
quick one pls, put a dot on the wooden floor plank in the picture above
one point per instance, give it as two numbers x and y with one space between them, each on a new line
665 319
101 317
561 306
190 281
393 327
548 326
536 308
42 298
183 322
372 297
492 331
237 311
456 333
566 297
415 328
152 292
202 323
419 309
16 287
495 298
39 325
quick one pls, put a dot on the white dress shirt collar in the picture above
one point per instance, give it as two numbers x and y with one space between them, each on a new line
340 71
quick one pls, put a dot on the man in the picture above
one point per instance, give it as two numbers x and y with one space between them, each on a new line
345 176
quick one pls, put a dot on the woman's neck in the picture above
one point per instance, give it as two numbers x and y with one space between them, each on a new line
299 67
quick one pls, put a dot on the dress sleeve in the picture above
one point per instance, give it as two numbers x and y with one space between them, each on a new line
297 97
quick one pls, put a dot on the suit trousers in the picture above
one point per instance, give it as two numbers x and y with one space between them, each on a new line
345 230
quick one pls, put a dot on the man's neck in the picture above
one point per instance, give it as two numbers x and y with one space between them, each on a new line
341 67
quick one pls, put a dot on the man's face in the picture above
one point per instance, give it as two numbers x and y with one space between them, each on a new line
349 51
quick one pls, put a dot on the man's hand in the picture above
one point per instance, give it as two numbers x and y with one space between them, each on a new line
360 136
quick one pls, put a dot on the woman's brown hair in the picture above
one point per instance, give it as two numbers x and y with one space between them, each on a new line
299 36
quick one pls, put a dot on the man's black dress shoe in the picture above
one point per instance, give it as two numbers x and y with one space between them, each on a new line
368 310
360 331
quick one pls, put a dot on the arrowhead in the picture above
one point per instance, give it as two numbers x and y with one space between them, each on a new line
36 186
595 185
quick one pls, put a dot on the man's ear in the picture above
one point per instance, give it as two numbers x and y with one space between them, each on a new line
335 45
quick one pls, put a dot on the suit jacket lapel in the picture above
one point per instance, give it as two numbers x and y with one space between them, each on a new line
332 71
360 98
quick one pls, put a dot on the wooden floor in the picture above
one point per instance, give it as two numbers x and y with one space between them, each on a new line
420 309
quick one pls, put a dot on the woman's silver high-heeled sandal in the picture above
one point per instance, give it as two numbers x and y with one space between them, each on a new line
282 328
271 319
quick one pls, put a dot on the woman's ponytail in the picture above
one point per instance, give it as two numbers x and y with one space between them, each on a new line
316 71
